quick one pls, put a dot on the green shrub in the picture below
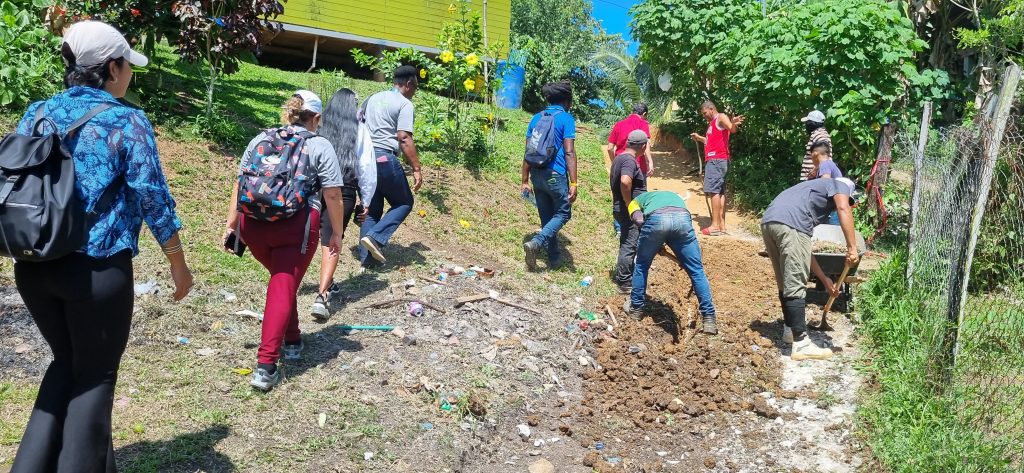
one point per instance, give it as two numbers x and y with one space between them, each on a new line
30 65
851 59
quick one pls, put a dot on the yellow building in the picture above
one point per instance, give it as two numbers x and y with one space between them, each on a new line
327 29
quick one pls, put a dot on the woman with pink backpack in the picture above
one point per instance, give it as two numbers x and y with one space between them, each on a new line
275 212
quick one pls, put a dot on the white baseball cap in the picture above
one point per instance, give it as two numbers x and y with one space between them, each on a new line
814 116
95 42
310 101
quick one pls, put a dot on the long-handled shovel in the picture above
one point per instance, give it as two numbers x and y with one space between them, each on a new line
823 325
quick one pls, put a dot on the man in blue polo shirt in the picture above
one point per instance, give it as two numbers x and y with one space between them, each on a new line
555 184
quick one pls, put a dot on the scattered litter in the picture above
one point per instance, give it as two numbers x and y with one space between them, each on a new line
613 460
148 287
584 361
587 315
554 439
599 445
442 276
476 268
249 313
426 426
415 308
183 340
351 328
635 349
206 352
524 431
587 281
228 295
493 294
661 454
410 283
538 442
321 419
446 406
242 371
469 274
458 270
368 456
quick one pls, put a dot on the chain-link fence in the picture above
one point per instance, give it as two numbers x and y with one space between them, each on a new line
966 267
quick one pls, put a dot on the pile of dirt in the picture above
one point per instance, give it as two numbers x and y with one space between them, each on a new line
659 371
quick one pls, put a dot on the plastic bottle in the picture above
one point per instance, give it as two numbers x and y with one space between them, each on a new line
587 281
528 196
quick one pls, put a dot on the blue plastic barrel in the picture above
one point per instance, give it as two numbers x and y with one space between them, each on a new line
513 77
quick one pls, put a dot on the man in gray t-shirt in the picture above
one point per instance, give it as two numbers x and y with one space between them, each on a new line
389 116
786 228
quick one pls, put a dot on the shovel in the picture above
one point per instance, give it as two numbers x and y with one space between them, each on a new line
823 325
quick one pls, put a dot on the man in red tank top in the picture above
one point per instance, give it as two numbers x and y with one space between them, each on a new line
716 159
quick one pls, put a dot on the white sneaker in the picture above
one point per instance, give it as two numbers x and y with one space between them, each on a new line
806 350
787 334
372 248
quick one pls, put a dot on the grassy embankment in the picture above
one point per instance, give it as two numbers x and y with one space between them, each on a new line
164 419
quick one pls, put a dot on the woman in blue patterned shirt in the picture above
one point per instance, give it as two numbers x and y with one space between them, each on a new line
83 303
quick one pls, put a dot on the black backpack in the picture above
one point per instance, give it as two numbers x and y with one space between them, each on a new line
40 218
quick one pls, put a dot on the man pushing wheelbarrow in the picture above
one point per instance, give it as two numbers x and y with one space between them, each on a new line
787 227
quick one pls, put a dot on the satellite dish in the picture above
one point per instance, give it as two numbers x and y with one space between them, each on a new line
665 81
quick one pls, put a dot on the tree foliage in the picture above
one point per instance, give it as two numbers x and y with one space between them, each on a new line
629 80
559 38
852 59
29 64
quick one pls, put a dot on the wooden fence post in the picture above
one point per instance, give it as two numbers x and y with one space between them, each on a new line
990 154
915 201
881 173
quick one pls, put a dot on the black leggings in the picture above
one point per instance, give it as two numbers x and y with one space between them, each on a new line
83 308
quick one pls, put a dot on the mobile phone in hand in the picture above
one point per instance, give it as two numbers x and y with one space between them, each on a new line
234 245
356 212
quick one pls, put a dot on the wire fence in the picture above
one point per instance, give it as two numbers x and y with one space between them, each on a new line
966 267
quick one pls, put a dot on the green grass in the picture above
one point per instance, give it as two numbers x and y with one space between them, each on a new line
185 412
912 422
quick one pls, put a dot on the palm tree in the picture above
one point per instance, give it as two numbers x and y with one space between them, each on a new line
630 81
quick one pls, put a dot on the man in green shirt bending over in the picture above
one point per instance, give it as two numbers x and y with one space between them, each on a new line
662 218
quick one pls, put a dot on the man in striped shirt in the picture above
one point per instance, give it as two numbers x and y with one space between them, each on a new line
815 123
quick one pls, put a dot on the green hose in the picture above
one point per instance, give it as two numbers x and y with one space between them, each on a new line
385 328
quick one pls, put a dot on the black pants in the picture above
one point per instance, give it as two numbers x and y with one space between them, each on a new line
628 237
83 308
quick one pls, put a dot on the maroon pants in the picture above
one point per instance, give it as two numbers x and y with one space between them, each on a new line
277 246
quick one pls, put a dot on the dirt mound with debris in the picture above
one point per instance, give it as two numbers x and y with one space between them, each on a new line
657 372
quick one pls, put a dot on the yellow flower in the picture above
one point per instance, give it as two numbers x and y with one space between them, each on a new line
472 59
464 223
436 135
452 9
487 128
447 57
490 117
469 84
422 213
423 73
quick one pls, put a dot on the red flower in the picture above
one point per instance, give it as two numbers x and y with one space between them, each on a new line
136 12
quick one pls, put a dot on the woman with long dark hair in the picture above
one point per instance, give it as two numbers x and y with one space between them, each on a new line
82 303
351 139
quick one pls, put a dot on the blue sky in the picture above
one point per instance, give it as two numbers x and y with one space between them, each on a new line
614 15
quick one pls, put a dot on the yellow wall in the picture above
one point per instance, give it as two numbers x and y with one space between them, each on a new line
409 22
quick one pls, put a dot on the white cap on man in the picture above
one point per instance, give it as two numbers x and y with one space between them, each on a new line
95 42
310 101
815 116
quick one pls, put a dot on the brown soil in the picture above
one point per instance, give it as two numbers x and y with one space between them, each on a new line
679 372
